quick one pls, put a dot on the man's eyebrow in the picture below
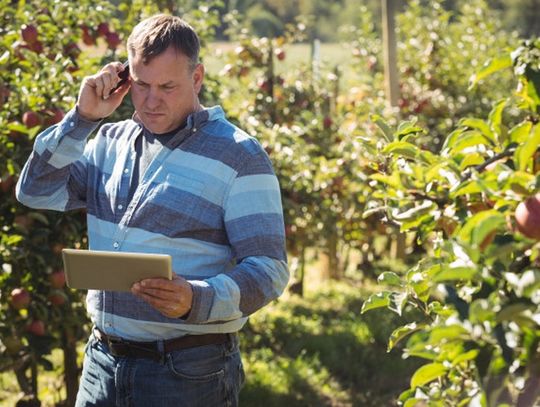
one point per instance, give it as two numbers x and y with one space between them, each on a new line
168 83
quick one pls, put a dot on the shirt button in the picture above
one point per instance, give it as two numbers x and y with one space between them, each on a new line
126 171
120 207
116 245
194 129
71 124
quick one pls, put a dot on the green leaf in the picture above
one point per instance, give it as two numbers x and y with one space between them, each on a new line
447 333
480 125
480 226
402 148
378 300
401 333
389 278
471 160
392 180
397 302
467 187
427 373
526 150
513 312
408 127
520 182
490 67
449 273
383 126
423 208
465 357
495 118
520 133
481 310
470 138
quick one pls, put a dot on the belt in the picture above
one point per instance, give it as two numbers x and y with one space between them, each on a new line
155 350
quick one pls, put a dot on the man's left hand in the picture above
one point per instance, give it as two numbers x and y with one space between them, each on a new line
173 298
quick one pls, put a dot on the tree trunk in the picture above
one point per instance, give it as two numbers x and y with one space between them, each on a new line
71 369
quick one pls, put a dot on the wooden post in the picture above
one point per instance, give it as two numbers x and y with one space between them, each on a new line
315 58
389 48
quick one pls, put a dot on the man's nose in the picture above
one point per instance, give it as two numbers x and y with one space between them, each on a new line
153 98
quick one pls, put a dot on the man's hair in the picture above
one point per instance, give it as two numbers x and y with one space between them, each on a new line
155 34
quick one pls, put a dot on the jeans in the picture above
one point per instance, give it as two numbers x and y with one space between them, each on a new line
204 376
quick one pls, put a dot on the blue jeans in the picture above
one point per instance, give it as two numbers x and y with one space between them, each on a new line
204 376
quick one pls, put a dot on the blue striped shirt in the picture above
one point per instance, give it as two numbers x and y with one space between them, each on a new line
209 198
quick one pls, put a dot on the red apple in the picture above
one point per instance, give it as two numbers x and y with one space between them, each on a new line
87 37
31 119
7 183
327 122
4 94
113 40
528 217
72 50
37 47
264 85
57 298
29 33
57 279
103 29
23 221
20 298
53 116
36 327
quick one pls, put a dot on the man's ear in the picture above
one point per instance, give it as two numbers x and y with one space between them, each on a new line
198 77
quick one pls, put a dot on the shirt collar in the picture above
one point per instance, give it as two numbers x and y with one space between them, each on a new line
195 119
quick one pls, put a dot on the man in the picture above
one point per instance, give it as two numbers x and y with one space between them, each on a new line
179 179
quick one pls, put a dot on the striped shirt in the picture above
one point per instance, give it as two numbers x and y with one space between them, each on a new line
209 198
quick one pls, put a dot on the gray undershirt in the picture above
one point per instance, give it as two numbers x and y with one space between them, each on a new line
147 147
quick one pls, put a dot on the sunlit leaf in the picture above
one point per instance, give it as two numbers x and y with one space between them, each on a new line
386 131
401 333
480 125
495 118
377 300
527 149
480 226
520 133
389 278
448 273
490 67
427 373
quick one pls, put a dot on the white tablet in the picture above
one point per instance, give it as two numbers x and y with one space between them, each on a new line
112 271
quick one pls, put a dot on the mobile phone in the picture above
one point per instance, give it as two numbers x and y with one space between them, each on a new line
123 75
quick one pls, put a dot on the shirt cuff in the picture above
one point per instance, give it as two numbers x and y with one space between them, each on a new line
203 298
74 125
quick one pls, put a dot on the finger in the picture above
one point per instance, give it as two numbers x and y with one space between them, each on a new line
161 294
160 283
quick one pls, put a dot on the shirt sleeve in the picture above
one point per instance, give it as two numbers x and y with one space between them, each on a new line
54 177
254 224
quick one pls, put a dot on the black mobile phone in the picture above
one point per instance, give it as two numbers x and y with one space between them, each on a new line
123 75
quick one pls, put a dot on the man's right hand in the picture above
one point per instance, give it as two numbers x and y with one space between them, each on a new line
94 102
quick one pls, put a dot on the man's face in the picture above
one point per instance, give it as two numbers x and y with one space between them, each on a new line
165 91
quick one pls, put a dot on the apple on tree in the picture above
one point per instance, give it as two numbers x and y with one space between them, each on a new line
36 327
19 298
528 217
57 279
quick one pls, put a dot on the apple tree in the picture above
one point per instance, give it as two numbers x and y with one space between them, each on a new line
474 207
41 66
